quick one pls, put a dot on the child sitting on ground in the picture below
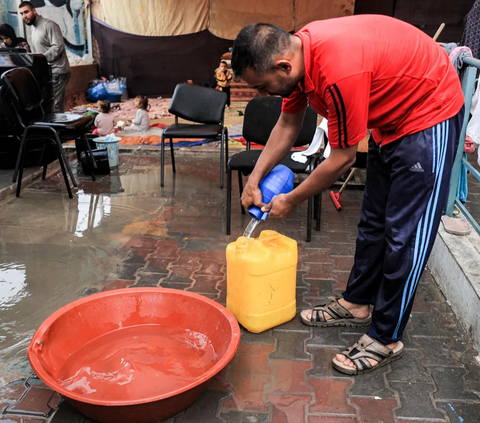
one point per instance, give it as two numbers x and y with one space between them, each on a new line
104 122
141 121
224 79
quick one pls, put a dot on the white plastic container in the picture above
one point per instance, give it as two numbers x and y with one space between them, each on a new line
111 143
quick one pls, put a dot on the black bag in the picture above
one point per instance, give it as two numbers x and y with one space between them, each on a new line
101 158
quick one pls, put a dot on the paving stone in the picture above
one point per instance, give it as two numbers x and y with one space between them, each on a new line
294 324
461 412
206 284
415 401
437 324
220 382
289 377
151 267
450 384
174 285
330 396
326 337
341 248
300 294
342 263
436 352
320 288
265 337
322 363
332 419
126 271
408 369
210 267
88 291
318 271
137 257
67 414
20 419
289 408
35 402
248 392
290 345
185 272
341 279
252 358
203 410
112 285
245 417
372 384
374 410
148 280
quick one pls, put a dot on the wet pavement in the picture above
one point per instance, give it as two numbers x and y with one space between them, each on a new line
124 230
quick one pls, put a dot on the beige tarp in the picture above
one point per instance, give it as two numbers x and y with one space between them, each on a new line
227 18
224 18
311 10
156 17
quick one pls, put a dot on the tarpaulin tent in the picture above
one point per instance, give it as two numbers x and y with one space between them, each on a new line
159 43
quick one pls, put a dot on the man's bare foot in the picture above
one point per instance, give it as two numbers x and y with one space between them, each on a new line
349 363
360 311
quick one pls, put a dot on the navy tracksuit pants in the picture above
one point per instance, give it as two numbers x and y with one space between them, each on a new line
405 193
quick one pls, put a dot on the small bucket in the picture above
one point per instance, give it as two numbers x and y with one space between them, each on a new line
112 148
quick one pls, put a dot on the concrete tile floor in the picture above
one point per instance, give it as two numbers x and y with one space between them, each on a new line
123 230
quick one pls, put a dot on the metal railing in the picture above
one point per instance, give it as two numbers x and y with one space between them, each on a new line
468 87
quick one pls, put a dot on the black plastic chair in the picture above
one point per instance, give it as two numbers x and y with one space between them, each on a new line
22 98
205 107
261 115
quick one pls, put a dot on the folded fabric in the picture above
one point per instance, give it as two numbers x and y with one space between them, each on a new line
302 156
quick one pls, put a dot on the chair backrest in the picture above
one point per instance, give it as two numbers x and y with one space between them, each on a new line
261 115
198 104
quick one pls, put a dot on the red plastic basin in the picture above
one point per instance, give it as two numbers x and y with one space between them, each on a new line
98 316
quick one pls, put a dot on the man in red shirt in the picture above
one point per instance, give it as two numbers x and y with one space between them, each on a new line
362 72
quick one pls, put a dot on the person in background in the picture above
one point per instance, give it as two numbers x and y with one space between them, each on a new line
47 38
105 121
141 121
224 78
10 39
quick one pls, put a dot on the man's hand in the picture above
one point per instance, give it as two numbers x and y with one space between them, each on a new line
281 206
251 195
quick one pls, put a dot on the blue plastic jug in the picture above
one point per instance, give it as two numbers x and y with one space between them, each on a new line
278 181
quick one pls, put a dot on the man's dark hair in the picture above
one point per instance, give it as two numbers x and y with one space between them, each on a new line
257 46
26 3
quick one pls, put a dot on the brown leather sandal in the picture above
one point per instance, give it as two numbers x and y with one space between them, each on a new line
339 316
367 347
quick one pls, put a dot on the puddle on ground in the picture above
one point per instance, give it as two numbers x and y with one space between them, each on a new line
53 248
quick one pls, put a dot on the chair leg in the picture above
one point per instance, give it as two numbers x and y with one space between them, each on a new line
162 162
309 219
318 213
229 198
45 160
65 159
240 189
222 149
64 172
226 148
20 161
173 157
19 157
90 160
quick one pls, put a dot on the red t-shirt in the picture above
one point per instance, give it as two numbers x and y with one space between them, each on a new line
377 72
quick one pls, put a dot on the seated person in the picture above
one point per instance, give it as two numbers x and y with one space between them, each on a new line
10 39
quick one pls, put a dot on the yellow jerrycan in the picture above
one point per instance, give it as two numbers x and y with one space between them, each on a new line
261 280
